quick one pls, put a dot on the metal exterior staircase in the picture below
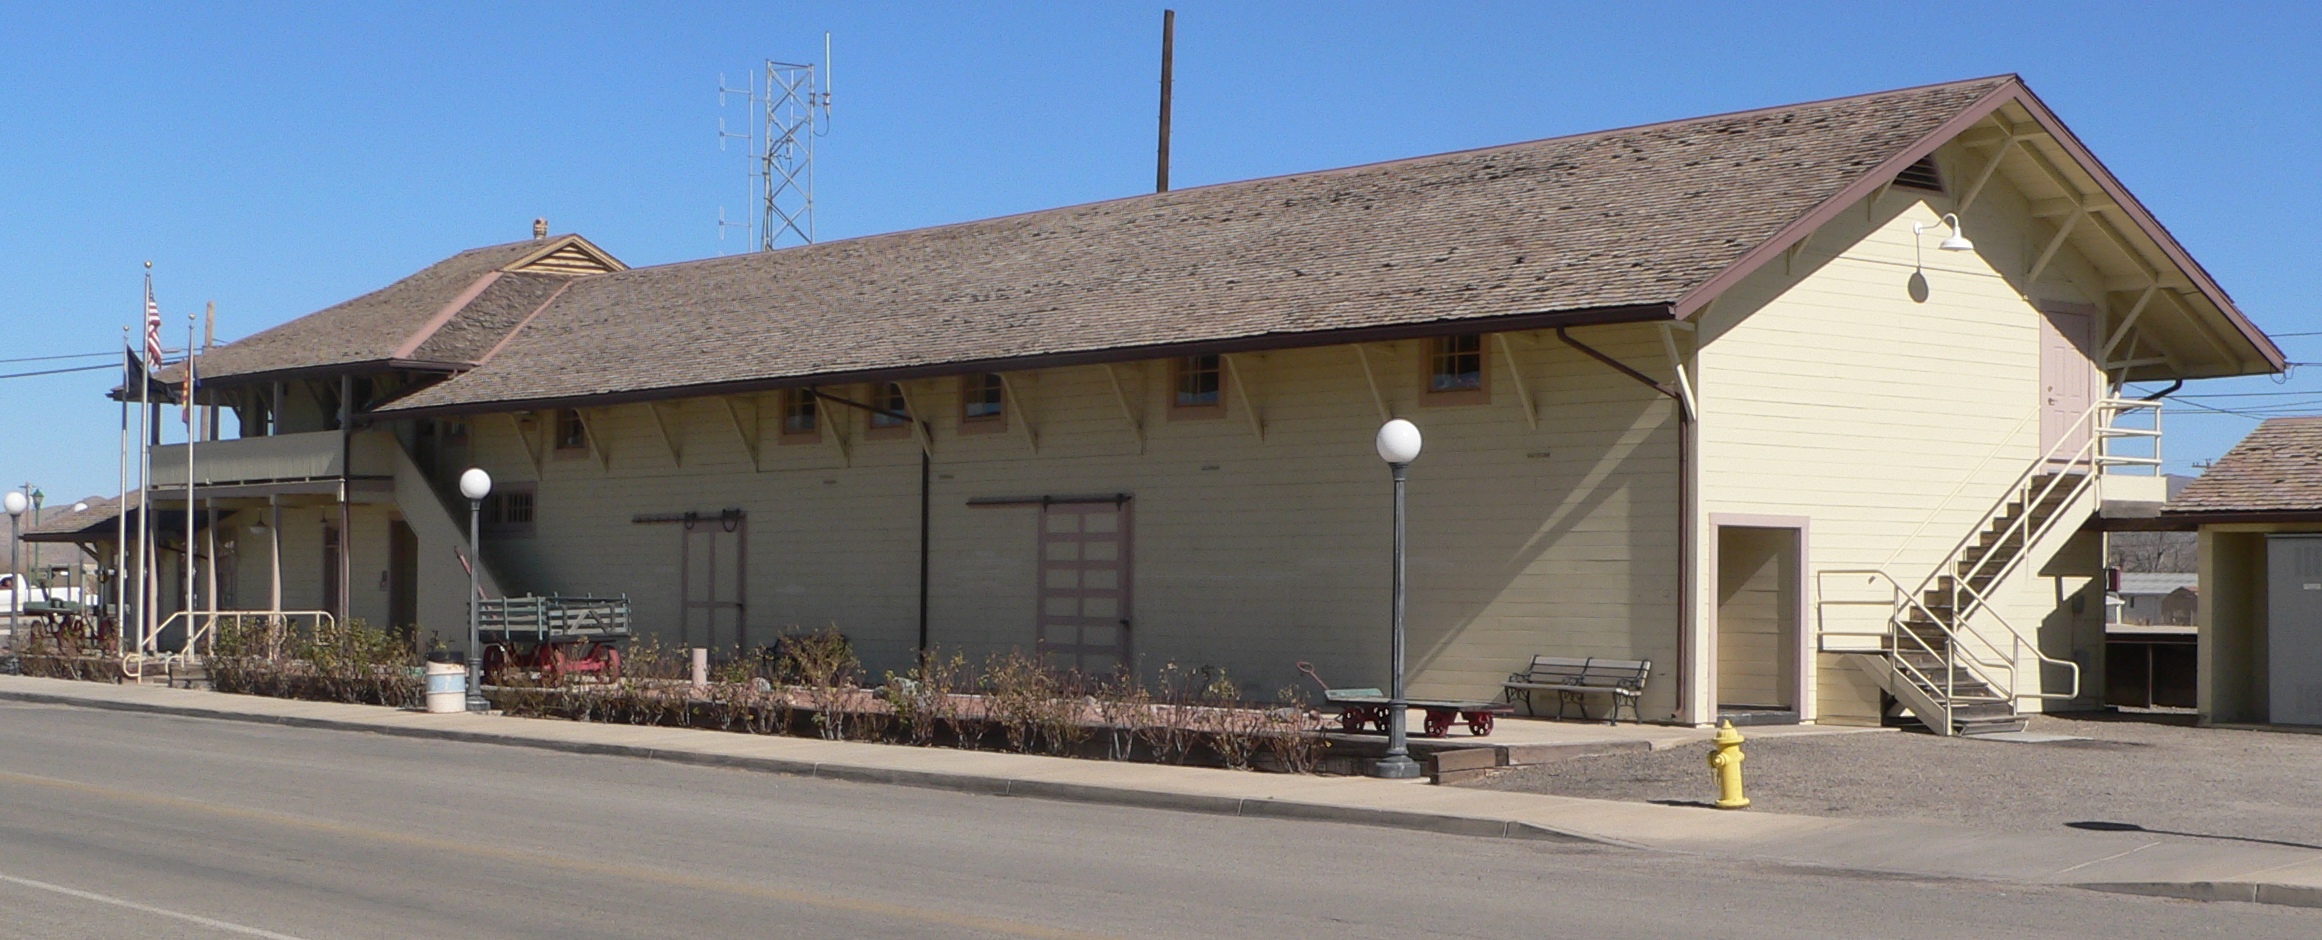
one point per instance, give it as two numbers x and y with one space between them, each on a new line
1945 652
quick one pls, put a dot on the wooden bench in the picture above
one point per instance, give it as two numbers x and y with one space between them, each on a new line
1573 679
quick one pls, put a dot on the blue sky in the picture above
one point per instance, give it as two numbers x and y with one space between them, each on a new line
279 158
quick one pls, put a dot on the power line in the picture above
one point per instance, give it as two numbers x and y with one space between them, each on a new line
65 356
26 375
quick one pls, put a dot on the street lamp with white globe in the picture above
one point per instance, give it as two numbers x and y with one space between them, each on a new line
475 484
1398 444
14 502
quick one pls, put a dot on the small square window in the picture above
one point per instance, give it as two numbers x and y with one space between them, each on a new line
571 432
1198 387
983 400
1457 364
801 414
893 417
508 513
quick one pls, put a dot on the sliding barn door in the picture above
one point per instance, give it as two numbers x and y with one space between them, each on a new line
1084 586
711 567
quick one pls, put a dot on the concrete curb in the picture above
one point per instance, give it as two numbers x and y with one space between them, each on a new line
2254 892
985 784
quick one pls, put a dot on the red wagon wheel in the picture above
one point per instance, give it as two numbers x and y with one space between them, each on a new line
608 660
550 659
1439 722
1351 721
1479 723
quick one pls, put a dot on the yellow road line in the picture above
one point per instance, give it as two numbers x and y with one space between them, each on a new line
822 900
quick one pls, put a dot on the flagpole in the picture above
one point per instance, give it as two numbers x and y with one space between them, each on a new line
188 412
120 578
147 427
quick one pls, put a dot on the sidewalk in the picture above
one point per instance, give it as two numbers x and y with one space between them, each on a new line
2130 862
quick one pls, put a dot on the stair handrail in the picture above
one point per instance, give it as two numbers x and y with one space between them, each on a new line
2091 454
2020 644
2015 488
1965 479
1967 602
1903 603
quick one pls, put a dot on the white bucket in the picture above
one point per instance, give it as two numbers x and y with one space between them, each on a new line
447 688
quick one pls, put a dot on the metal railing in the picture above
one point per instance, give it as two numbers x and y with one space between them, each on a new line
1898 637
201 636
2032 505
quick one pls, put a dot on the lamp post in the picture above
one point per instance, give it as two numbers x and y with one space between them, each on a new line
14 502
475 484
1398 444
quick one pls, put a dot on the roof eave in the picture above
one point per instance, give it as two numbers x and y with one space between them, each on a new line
1595 316
2012 90
1698 299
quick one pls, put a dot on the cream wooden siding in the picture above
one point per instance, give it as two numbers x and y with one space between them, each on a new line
1249 555
1826 391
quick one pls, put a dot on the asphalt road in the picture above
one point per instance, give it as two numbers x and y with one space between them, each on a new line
119 825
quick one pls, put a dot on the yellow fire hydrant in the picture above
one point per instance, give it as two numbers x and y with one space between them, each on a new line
1725 761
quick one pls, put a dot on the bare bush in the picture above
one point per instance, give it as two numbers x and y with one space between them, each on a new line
824 663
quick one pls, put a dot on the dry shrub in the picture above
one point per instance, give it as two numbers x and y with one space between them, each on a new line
347 661
824 662
1175 713
1235 732
1017 691
925 698
1125 708
1292 735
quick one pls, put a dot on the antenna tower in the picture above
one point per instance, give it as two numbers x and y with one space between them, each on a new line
787 106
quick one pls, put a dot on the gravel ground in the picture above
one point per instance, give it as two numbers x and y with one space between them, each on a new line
2156 772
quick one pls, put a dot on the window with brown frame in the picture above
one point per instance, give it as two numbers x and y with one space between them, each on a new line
982 403
893 417
571 433
1455 370
801 416
1197 389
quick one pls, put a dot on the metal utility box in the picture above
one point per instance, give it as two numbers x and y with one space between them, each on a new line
2294 628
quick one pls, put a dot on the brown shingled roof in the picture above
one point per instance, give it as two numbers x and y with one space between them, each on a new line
1626 221
2276 469
62 524
449 313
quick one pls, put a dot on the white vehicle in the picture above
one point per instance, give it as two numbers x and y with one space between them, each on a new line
34 594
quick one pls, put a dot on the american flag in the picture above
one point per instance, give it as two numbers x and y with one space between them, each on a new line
152 327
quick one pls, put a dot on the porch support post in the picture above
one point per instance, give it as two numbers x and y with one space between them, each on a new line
274 553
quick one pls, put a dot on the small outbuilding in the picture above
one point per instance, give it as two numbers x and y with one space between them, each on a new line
2259 512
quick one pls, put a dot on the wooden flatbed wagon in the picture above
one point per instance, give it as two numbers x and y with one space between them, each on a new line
554 636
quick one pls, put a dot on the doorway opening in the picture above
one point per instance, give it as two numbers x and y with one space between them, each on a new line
1760 622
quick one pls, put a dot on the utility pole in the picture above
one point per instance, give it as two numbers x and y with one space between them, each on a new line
1168 56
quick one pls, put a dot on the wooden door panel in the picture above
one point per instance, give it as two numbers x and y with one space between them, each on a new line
1084 586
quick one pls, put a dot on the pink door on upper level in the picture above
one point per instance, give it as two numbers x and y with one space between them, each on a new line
2068 377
